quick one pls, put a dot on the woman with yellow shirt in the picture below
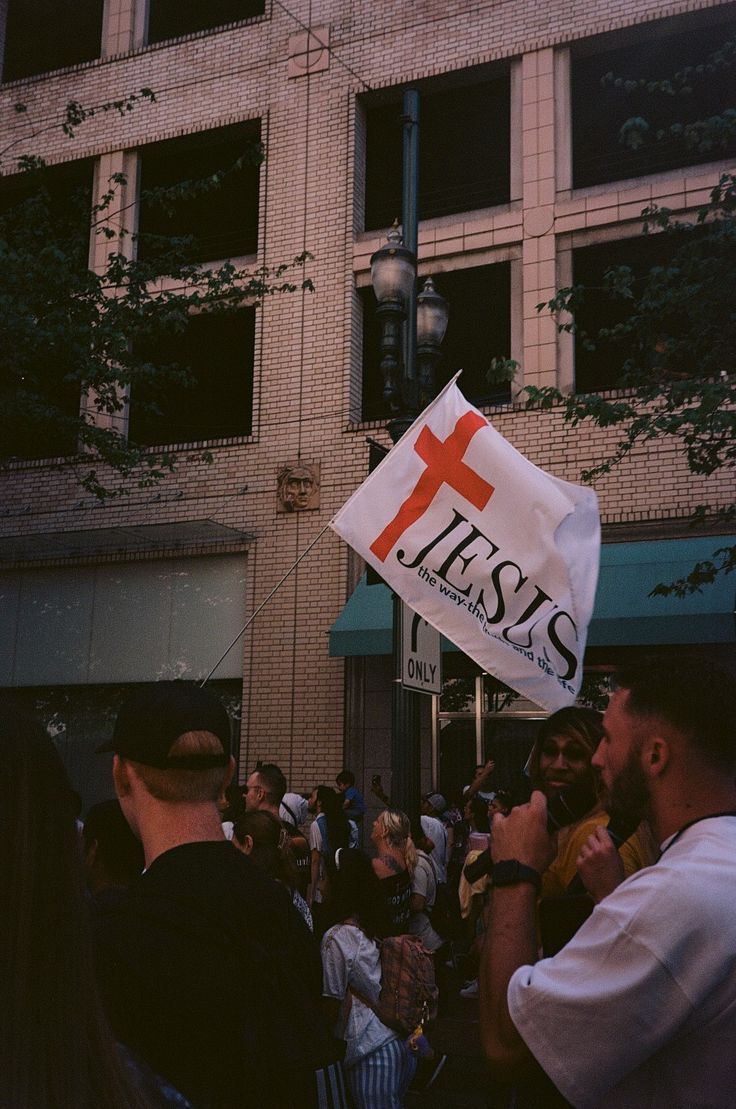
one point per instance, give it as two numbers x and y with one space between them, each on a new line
561 758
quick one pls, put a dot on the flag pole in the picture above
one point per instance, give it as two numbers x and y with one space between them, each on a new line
263 603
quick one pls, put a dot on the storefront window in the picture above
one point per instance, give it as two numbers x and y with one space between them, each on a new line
477 717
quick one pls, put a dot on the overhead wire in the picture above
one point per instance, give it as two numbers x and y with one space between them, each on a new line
54 121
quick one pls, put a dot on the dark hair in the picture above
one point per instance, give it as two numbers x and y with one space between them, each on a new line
418 835
505 798
118 853
355 891
479 809
272 780
582 724
234 803
345 778
272 850
55 1045
695 698
338 825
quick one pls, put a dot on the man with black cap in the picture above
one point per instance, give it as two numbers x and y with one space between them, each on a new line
195 961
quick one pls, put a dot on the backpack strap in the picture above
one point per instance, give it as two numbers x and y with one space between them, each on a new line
292 814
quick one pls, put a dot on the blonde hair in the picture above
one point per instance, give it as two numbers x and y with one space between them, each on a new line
395 828
186 786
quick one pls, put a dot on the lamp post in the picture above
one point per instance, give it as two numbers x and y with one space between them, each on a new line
406 388
412 329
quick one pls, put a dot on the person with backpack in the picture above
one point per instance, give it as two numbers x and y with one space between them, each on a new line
424 894
394 866
330 830
378 1065
265 791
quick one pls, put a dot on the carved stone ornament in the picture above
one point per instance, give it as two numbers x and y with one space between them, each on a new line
297 487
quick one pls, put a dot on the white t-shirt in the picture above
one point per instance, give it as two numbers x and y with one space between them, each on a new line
424 883
349 958
298 807
435 830
639 1009
315 843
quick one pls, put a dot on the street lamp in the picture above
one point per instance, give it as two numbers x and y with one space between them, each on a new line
431 326
406 387
412 329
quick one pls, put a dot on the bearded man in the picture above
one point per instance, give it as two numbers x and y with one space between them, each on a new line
639 1009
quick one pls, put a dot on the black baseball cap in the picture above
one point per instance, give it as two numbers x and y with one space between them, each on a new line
152 719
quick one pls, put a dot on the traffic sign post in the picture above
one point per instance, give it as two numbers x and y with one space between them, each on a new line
421 655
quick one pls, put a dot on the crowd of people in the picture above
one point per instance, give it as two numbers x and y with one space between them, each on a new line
201 944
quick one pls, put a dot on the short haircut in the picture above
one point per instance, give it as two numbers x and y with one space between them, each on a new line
695 698
272 850
181 786
272 780
345 778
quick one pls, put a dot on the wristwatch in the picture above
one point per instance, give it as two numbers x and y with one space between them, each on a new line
509 872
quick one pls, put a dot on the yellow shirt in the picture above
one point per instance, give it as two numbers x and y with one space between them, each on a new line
637 852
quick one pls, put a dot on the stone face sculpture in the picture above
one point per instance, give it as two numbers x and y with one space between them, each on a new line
297 487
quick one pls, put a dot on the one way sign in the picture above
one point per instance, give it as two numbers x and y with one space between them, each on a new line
421 657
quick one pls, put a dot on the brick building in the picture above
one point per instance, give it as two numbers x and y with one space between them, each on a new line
522 186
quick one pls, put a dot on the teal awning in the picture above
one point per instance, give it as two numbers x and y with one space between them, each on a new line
624 613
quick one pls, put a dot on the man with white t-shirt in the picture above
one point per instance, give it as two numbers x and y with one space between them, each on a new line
639 1009
432 807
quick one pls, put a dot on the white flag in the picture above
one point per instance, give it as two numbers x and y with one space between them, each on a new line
498 555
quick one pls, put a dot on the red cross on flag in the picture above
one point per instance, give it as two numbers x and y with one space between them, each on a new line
499 556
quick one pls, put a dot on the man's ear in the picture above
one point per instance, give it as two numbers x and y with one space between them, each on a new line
656 756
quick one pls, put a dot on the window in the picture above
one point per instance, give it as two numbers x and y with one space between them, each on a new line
504 728
464 153
222 221
66 192
479 329
599 110
48 34
81 718
602 368
171 18
218 349
44 221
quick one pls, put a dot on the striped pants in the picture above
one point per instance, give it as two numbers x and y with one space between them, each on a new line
380 1080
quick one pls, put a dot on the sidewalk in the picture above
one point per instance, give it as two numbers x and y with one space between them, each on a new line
465 1082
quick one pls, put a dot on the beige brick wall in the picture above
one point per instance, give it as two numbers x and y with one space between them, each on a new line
307 381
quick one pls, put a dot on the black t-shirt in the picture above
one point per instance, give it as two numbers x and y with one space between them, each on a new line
302 855
209 973
397 891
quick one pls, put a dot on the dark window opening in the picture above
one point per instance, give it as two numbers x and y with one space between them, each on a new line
218 350
41 35
172 18
478 330
52 200
599 111
603 367
222 220
464 153
41 419
44 222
